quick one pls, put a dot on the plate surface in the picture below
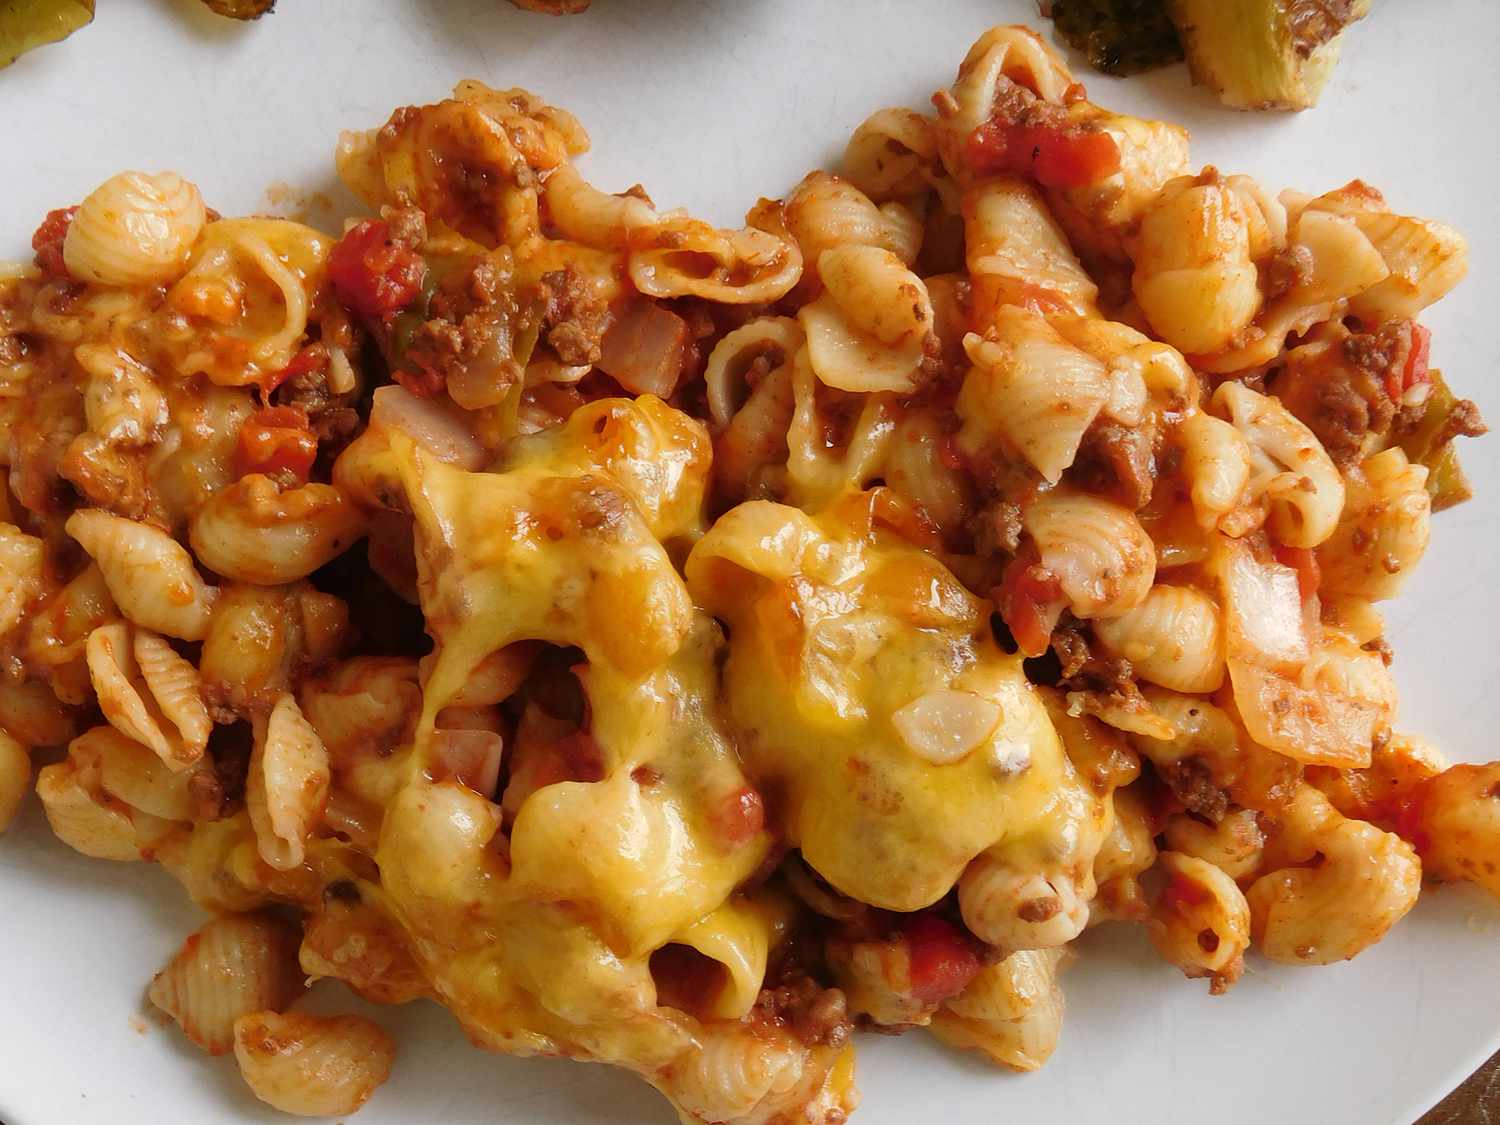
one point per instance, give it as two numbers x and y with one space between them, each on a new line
710 104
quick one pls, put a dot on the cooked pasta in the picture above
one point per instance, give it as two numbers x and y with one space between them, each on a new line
230 968
15 778
312 1066
134 229
675 646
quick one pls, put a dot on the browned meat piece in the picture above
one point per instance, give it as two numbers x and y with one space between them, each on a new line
575 319
1192 782
1083 670
1116 461
996 528
1341 393
1463 420
812 1013
469 341
1286 270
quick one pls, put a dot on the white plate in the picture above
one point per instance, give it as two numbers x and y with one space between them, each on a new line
710 105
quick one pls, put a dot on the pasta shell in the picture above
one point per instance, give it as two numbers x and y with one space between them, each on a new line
1173 638
773 338
21 559
32 715
735 1074
1030 391
1012 908
737 267
178 694
135 229
287 786
231 967
1011 1011
1017 253
824 212
91 822
1099 551
1234 845
1425 259
15 778
111 669
149 574
1201 922
312 1066
891 156
130 773
1216 462
254 532
1383 530
582 213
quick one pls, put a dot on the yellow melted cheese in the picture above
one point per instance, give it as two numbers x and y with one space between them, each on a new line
540 941
835 625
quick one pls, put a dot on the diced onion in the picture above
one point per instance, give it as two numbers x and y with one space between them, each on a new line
946 726
437 428
1263 608
644 351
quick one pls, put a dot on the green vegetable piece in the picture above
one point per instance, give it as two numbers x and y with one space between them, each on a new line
1447 483
1119 37
1264 54
1425 444
28 24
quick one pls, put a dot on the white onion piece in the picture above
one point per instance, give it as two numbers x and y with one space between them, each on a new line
946 726
439 429
1262 608
645 350
1316 727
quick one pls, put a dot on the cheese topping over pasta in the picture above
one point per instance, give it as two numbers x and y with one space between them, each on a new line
673 646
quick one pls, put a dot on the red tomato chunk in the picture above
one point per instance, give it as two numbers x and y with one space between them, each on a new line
372 274
48 241
943 959
1054 156
277 439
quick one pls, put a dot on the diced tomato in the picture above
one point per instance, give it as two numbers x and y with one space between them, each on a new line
1416 361
739 817
1305 563
1030 601
1182 891
1063 156
372 274
944 959
48 241
277 439
1413 372
312 358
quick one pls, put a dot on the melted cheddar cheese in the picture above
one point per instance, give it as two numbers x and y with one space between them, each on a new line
837 625
541 940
